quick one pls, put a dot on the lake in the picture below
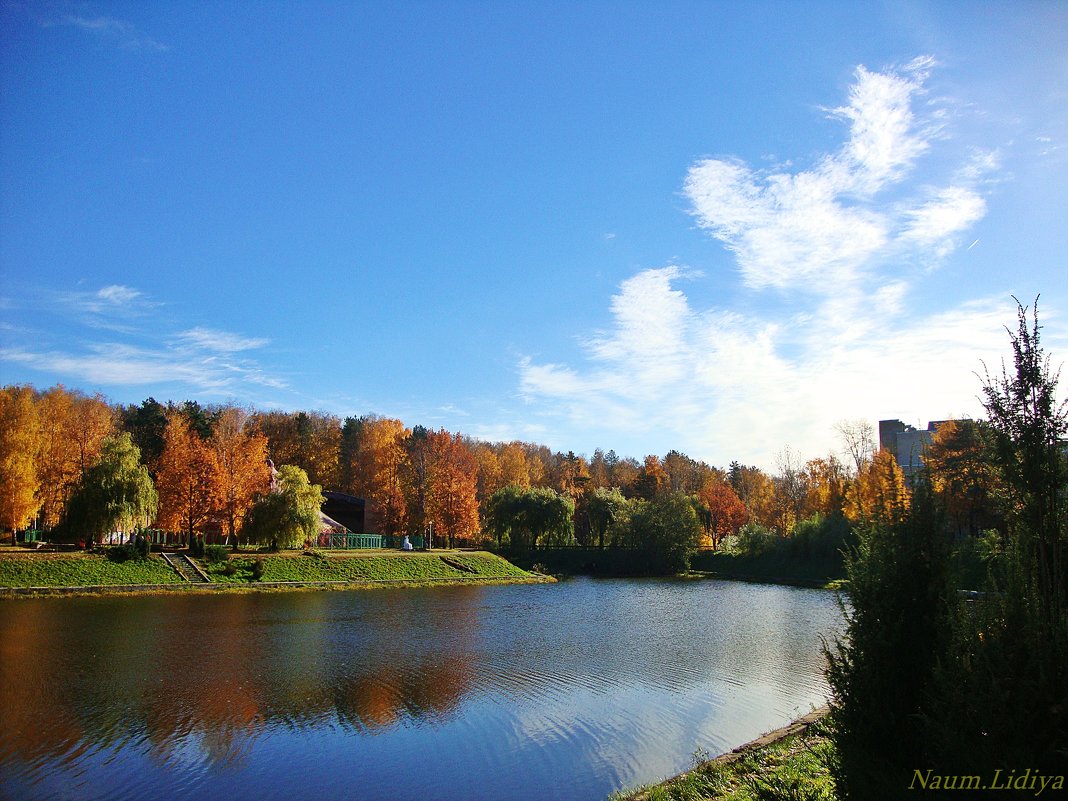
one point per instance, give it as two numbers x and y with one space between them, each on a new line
555 691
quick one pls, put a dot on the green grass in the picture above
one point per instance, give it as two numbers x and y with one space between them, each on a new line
83 570
792 769
341 567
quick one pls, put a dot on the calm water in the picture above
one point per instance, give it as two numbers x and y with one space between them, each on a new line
565 691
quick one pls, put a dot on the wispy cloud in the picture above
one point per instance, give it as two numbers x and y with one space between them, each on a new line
118 364
199 359
121 32
112 299
219 341
731 385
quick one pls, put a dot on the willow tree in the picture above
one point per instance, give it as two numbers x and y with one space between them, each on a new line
286 516
528 515
115 494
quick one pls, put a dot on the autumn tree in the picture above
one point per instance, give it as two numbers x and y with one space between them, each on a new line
115 494
376 464
825 486
963 475
241 454
685 474
188 478
879 493
651 480
721 512
20 442
756 490
58 463
442 485
512 463
74 428
489 470
622 472
310 440
540 463
570 474
92 421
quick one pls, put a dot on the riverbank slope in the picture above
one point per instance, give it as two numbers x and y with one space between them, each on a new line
28 573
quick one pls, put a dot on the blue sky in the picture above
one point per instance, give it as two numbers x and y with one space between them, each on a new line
716 227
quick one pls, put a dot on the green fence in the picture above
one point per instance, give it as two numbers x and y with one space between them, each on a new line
349 540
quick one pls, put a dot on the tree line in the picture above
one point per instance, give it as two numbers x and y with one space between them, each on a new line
208 465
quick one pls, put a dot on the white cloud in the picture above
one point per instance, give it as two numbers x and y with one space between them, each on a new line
933 225
819 229
220 341
742 387
727 385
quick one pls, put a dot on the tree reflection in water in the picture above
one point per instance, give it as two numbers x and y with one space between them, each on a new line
215 673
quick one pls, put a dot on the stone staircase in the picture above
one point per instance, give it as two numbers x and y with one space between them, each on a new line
186 568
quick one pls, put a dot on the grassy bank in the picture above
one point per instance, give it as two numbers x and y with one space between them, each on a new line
791 763
389 566
773 567
56 571
80 570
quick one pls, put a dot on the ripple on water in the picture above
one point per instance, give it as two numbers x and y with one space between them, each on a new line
554 691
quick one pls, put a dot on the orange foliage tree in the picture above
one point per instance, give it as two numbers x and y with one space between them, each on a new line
74 427
241 454
91 422
188 478
512 461
376 466
964 476
309 440
651 480
58 465
756 490
448 472
825 485
721 511
879 492
20 442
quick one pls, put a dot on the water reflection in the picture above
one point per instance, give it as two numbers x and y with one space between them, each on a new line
495 692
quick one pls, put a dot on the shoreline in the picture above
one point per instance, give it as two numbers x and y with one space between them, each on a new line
8 593
792 729
784 581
